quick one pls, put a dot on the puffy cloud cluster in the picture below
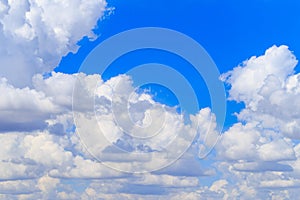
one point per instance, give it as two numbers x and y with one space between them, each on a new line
41 157
23 109
256 157
48 154
269 88
260 152
34 35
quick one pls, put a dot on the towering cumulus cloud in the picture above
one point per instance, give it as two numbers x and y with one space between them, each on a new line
34 34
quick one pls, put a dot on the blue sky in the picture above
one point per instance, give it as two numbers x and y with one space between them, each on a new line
230 32
65 135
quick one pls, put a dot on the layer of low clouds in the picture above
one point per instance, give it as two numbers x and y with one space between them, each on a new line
42 157
61 154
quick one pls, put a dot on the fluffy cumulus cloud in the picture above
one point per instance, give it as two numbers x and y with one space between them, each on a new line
34 35
270 90
48 156
28 108
54 146
261 152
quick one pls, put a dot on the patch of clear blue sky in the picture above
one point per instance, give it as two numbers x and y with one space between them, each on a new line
230 31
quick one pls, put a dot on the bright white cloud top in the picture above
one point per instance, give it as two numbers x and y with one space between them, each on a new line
42 158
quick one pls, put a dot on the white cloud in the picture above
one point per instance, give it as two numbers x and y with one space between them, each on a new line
149 136
24 109
280 183
18 187
33 38
11 171
239 142
85 168
277 150
259 151
47 158
256 155
261 166
247 80
167 181
58 87
43 149
270 113
270 90
249 143
28 155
